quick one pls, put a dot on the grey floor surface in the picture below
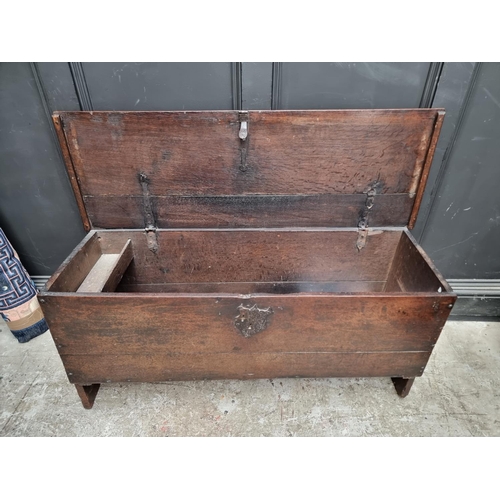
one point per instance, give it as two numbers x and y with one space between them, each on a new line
457 396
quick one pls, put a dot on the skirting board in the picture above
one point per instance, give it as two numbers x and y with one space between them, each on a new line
477 299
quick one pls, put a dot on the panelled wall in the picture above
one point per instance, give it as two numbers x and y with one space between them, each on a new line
459 222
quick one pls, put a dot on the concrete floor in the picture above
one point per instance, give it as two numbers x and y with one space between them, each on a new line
457 396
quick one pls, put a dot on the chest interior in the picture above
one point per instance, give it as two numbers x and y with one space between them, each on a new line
245 203
247 262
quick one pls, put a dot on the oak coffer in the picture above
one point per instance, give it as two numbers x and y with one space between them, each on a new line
236 244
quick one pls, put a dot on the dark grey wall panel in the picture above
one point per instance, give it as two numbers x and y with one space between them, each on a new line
37 208
160 86
349 85
257 85
451 93
58 85
463 231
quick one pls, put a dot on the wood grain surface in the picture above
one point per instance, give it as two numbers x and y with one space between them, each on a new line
192 160
410 271
76 267
255 255
163 367
248 287
140 323
107 271
327 210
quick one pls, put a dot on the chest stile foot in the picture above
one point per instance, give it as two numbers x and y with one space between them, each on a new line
87 394
402 385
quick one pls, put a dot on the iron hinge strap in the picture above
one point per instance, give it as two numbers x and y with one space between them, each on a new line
244 118
149 215
363 221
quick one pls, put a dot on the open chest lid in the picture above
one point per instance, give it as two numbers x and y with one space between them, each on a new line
215 169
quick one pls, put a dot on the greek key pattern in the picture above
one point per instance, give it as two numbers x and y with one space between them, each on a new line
16 287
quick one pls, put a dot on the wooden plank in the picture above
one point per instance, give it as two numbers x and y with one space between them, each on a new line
71 171
289 152
339 151
116 324
181 152
76 267
328 210
124 259
161 367
283 287
256 256
445 285
422 181
411 272
299 166
95 280
107 271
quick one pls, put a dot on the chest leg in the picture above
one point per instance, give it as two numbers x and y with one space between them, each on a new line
402 385
87 394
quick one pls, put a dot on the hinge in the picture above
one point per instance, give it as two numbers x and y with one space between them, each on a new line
151 238
150 226
243 117
361 241
363 219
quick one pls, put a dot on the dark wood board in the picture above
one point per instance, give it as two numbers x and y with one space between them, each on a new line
256 255
161 367
422 182
412 271
71 171
292 152
108 271
423 256
327 210
244 288
144 323
73 271
293 160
